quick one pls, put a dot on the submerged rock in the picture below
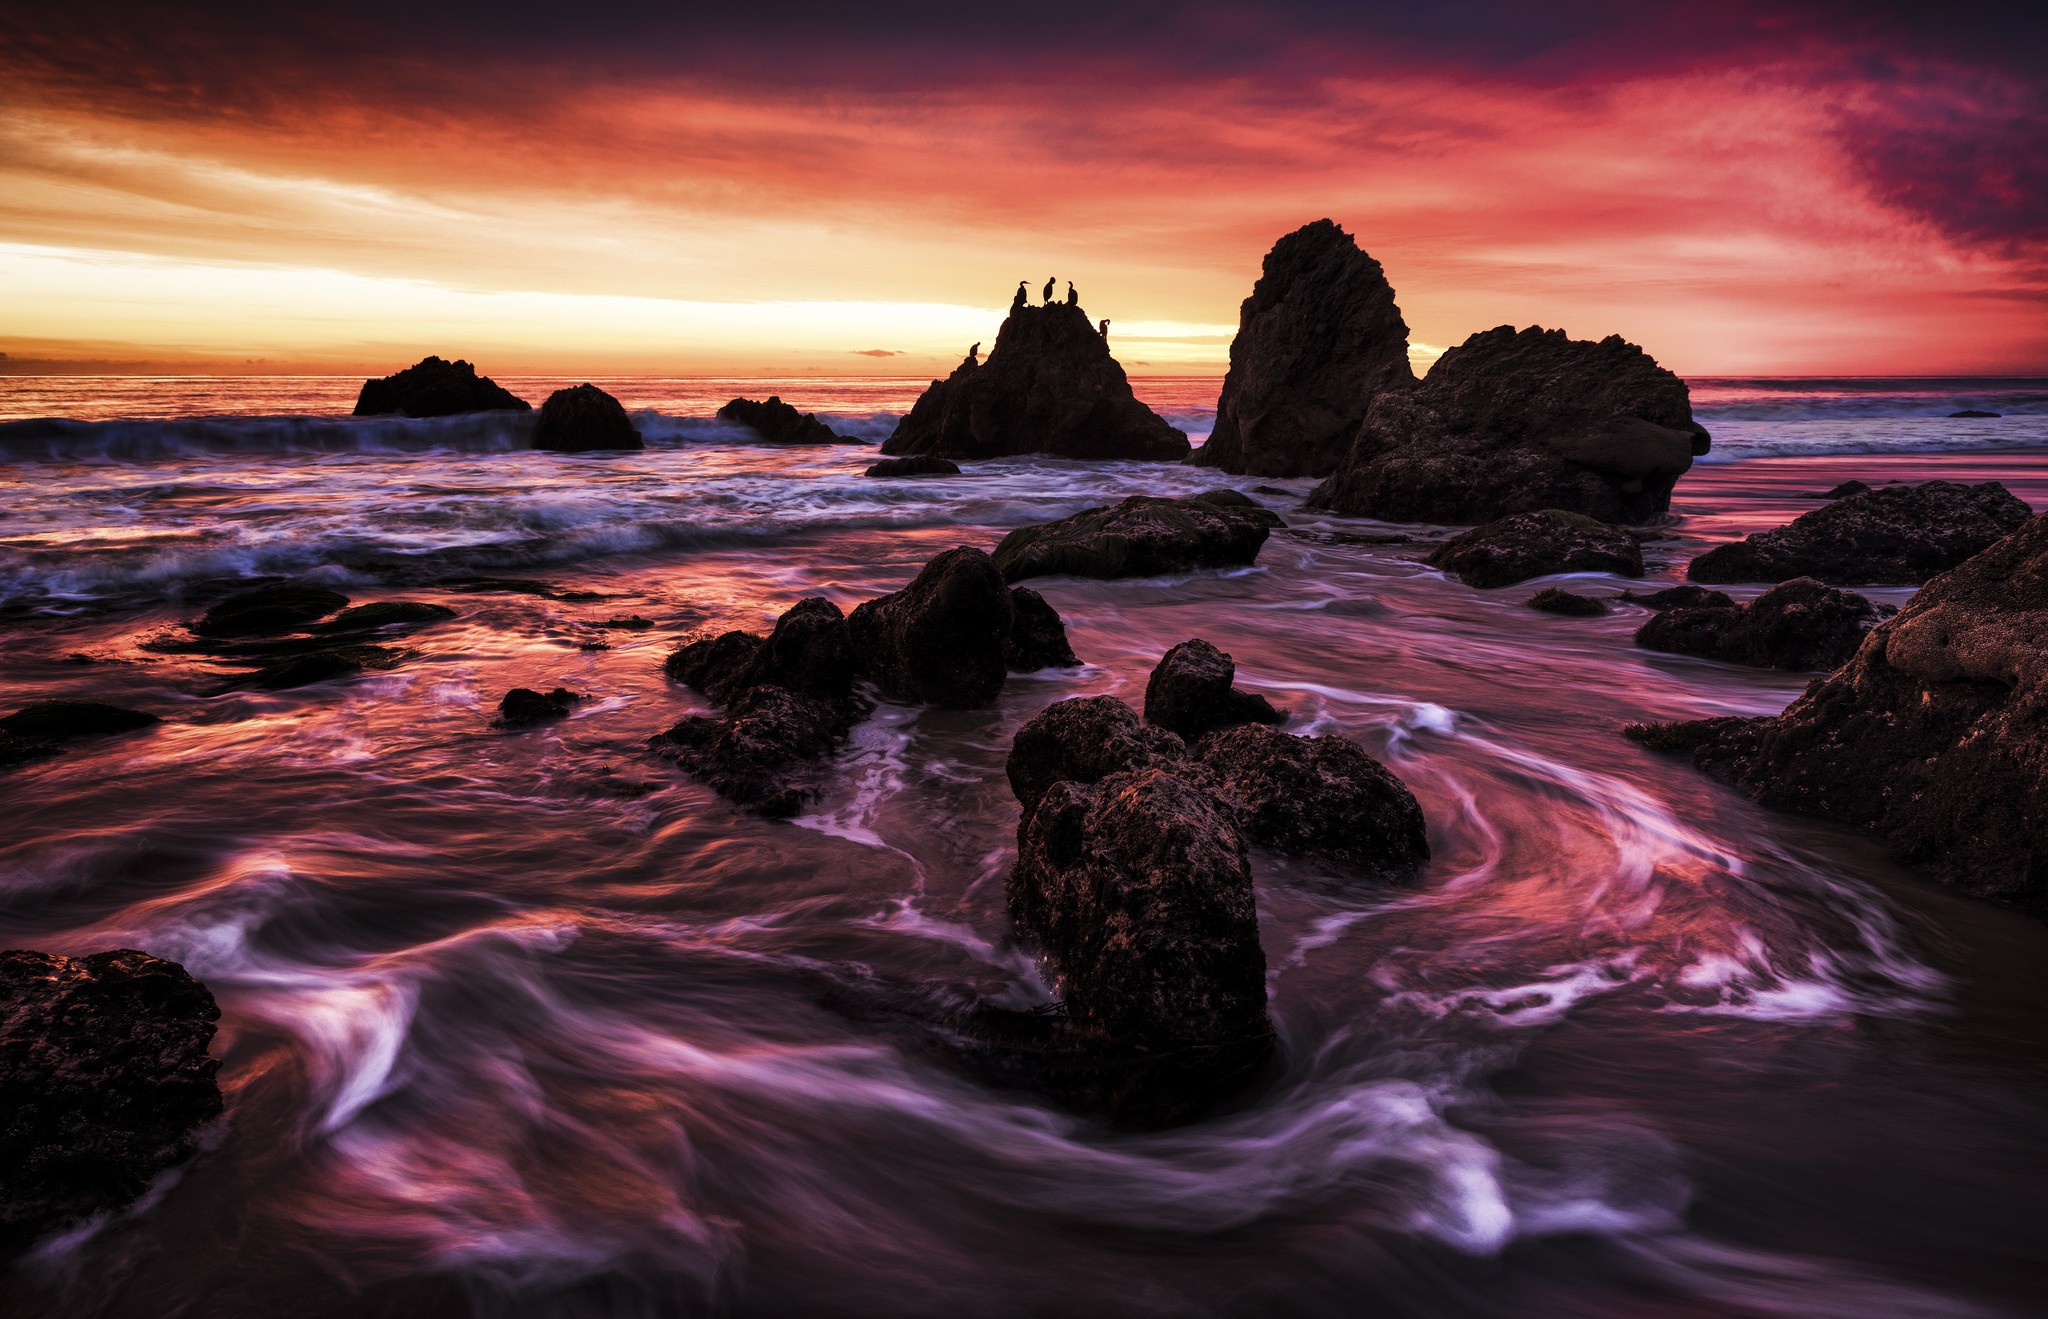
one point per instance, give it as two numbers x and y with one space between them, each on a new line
1679 597
1846 489
779 423
1143 536
1317 796
1555 600
584 419
107 1083
61 721
1895 534
942 640
1038 636
922 465
1800 624
1513 422
763 753
1934 734
1048 386
385 613
1526 545
1190 693
268 611
432 387
1975 412
1317 341
306 669
524 706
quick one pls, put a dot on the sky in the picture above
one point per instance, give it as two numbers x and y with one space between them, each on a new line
615 188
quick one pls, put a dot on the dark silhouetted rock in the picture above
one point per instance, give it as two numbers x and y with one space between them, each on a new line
1189 693
524 706
1934 735
1799 624
385 613
1083 740
1844 490
19 750
432 387
1526 545
626 623
105 1082
1679 597
810 652
1048 386
764 753
1512 423
307 669
1038 636
1555 600
1143 536
1317 341
713 664
584 419
942 640
1975 412
922 465
1317 796
779 423
1896 534
61 721
266 611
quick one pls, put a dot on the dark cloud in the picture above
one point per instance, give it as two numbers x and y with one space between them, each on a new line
877 352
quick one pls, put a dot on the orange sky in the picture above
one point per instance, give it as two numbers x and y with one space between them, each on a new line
669 199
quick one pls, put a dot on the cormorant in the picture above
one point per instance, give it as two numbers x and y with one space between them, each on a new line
1105 329
1017 303
974 354
1071 299
1048 289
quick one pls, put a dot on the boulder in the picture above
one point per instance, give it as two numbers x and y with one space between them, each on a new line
1516 422
385 613
922 465
1317 341
1526 545
523 706
1679 597
1902 534
763 753
779 423
584 419
1554 600
1189 693
107 1083
61 721
1975 412
1084 740
942 640
1143 536
1048 386
268 611
306 669
1845 489
811 652
432 387
1038 636
1934 734
712 664
1800 624
20 750
1317 796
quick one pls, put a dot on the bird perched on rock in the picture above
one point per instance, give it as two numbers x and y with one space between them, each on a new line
974 354
1072 300
1048 289
1017 303
1104 331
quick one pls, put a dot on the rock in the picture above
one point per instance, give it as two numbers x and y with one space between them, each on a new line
1189 693
1896 534
763 753
711 665
19 751
922 465
1680 597
305 670
1526 545
1038 636
1083 740
1513 423
1139 891
432 387
779 423
385 613
524 706
584 419
1317 341
1800 624
1975 412
1844 490
1317 796
627 623
106 1083
61 721
1934 735
1142 536
810 652
942 640
268 611
523 586
1555 600
1048 386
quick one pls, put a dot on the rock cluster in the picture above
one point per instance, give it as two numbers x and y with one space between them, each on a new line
1190 693
432 387
779 423
1800 624
1934 734
1526 545
294 635
106 1083
1895 534
584 419
1318 340
1048 386
1143 536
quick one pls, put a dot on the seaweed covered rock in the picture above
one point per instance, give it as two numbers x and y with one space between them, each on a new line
921 465
1513 422
1800 624
524 707
779 423
942 640
1901 534
1189 693
713 665
1679 597
1083 740
61 721
1556 600
1526 545
1317 796
1934 734
432 387
268 611
1048 386
764 752
1038 635
106 1082
584 419
1317 341
1143 536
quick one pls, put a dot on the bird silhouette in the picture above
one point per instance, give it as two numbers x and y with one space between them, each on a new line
1017 303
1048 289
1104 331
1072 299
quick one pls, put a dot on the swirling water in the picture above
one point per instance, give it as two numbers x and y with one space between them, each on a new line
529 1024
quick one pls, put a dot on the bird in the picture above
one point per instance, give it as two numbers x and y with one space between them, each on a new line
974 353
1072 300
1048 289
1105 329
1017 303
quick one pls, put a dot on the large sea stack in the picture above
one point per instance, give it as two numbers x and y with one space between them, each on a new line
432 387
584 419
1512 422
1048 386
1317 341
